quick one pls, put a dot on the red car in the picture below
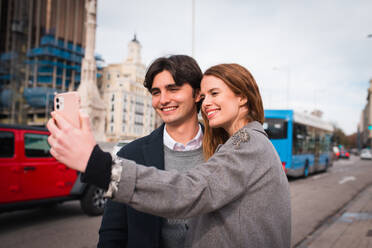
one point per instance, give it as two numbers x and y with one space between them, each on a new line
344 154
30 176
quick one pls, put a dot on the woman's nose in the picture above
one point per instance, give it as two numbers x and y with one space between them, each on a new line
206 102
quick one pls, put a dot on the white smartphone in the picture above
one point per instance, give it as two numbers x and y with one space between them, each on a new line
68 105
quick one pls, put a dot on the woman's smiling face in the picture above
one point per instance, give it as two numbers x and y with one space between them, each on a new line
221 105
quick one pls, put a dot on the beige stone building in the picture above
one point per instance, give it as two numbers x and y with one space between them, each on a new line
91 101
129 113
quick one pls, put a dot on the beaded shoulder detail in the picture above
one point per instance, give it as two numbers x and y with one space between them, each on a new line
242 136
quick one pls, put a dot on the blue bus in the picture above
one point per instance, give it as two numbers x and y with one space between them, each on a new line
303 141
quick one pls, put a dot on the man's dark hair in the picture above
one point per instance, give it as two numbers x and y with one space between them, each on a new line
183 68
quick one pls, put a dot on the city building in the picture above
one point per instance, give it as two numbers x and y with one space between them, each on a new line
91 101
42 45
365 125
129 112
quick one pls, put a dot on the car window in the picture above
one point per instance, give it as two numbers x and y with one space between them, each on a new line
36 145
121 144
6 144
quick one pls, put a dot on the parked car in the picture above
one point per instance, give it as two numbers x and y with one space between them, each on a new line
355 151
30 176
119 145
344 153
366 154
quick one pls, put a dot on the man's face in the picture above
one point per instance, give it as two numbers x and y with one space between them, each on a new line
175 104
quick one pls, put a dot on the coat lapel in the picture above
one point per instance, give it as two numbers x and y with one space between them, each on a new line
153 150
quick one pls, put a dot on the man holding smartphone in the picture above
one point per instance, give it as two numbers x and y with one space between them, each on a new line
174 83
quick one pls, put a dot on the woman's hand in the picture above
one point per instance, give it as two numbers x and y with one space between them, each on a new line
69 145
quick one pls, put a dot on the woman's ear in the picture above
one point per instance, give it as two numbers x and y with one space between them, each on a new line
242 101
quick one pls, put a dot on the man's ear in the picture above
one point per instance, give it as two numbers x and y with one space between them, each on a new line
197 95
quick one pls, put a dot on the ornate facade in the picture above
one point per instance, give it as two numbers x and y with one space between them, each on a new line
129 113
91 101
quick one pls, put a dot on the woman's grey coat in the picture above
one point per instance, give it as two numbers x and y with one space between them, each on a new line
238 198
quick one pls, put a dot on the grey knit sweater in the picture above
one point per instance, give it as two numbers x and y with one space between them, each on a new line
174 230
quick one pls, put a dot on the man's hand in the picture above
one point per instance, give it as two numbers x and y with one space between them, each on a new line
69 145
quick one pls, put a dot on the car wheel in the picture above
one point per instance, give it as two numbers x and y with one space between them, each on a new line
93 201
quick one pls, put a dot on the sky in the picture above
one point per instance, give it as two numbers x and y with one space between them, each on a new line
304 54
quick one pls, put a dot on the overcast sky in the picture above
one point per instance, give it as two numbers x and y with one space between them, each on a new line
303 54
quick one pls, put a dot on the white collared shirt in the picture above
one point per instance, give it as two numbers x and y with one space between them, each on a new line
193 144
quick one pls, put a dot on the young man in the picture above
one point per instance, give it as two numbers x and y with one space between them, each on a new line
174 84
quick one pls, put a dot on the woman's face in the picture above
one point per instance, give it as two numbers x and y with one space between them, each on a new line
221 106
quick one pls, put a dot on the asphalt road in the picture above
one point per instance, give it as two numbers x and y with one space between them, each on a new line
314 200
317 198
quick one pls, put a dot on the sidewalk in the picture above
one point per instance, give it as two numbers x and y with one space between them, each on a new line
352 227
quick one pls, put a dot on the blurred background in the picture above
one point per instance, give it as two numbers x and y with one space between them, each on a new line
311 60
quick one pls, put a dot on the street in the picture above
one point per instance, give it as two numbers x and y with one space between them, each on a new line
318 198
315 201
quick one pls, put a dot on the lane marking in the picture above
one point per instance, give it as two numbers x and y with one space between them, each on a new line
320 176
351 217
346 179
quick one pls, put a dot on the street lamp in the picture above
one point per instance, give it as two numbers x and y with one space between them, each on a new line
288 72
370 110
193 30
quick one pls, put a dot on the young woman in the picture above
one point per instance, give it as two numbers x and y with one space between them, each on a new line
238 198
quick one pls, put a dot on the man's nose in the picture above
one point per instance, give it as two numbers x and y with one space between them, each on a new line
164 98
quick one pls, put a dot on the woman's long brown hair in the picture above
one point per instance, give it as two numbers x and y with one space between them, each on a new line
242 83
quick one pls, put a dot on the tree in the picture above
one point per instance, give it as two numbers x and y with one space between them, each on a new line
339 137
352 139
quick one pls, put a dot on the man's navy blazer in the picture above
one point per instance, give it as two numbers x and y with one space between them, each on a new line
122 224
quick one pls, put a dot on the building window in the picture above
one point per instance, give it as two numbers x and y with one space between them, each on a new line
139 108
108 76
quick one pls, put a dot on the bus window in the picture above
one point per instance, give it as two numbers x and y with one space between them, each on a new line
300 139
276 128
